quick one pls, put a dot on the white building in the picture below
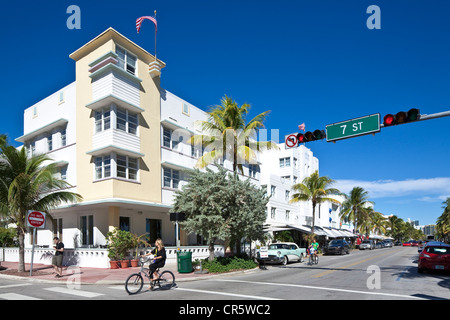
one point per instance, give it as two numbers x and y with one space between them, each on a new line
121 141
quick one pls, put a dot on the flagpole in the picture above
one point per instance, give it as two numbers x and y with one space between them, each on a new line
155 37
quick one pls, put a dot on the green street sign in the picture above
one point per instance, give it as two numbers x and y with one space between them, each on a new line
353 128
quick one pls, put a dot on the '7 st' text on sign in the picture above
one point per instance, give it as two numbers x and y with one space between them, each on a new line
353 128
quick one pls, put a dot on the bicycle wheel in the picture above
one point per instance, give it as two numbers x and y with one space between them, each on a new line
134 283
316 260
166 280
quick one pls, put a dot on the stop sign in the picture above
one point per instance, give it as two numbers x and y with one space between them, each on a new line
36 219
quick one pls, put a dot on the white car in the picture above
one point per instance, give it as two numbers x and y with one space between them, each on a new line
285 252
367 244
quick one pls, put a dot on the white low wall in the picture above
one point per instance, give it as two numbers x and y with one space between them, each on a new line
96 258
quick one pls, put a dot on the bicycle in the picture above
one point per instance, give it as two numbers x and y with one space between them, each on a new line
135 282
313 259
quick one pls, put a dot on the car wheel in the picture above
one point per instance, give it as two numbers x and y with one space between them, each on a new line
419 270
285 261
301 258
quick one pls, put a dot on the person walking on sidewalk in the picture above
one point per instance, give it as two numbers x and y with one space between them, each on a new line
58 257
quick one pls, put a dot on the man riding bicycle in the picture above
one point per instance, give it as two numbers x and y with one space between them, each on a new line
314 247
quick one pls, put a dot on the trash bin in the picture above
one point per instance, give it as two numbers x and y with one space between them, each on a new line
184 262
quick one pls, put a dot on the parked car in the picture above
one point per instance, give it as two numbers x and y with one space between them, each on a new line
337 246
434 256
367 244
388 243
414 243
285 252
397 243
407 244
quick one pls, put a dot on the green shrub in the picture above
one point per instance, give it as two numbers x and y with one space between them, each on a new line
226 264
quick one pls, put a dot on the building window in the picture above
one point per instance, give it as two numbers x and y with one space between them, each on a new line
167 139
63 138
87 230
288 213
61 97
102 120
285 162
186 109
171 178
50 142
127 61
286 179
272 191
126 121
102 167
287 195
127 167
273 212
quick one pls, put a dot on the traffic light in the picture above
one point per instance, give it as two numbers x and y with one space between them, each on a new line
311 136
401 117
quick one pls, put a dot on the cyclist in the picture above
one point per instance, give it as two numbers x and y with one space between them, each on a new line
159 258
314 247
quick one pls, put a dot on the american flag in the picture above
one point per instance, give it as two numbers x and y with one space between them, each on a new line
141 19
301 127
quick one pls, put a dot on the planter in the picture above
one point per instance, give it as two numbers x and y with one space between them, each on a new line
134 263
114 264
124 264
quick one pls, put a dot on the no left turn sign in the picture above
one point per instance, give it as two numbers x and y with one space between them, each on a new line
291 141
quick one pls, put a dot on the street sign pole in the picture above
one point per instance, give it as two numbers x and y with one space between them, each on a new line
35 219
32 251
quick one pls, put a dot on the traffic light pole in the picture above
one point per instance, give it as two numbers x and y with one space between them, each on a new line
424 117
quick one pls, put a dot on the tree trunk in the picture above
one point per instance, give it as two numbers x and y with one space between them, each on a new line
21 236
211 250
313 218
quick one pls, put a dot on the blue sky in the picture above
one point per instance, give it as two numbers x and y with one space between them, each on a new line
312 62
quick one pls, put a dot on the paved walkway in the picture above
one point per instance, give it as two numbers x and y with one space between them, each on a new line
88 275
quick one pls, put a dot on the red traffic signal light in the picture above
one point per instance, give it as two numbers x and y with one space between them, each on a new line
401 117
311 136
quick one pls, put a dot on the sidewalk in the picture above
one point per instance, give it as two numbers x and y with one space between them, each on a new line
45 273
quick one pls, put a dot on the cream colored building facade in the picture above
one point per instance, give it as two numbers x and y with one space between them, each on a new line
121 141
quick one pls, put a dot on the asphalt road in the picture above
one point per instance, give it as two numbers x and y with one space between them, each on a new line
382 274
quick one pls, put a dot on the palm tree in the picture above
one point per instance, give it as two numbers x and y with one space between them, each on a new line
394 225
315 189
443 222
355 206
229 136
27 184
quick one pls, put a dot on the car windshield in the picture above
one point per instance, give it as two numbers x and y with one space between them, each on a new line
438 250
335 242
366 241
277 246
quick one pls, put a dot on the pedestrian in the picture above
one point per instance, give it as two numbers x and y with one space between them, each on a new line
58 257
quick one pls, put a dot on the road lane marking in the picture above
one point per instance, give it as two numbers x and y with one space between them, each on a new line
15 285
325 288
324 273
16 296
227 294
74 292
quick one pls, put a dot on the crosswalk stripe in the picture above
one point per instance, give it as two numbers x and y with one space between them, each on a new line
15 285
74 292
16 296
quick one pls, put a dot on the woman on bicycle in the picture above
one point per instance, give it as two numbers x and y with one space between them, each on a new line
159 258
314 247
